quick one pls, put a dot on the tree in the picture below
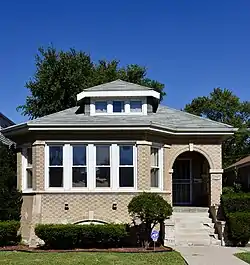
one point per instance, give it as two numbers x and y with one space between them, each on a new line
150 209
10 197
223 106
61 75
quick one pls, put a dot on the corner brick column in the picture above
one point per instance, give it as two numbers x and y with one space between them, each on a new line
19 168
167 173
143 165
215 186
38 164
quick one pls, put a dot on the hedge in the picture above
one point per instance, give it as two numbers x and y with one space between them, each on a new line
239 227
235 202
69 236
9 233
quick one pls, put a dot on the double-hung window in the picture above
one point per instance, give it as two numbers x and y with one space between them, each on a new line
102 168
79 167
155 167
27 169
126 166
56 166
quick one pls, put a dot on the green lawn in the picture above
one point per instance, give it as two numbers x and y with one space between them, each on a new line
18 258
244 256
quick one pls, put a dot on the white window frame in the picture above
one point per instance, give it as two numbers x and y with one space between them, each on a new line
71 165
126 101
91 166
104 166
160 167
25 166
134 166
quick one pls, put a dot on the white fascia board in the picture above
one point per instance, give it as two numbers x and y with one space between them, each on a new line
126 129
135 93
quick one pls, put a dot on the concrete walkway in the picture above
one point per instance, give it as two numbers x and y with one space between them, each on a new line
211 255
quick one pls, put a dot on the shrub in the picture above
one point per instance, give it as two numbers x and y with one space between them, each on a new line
150 209
80 236
9 233
228 190
239 227
235 202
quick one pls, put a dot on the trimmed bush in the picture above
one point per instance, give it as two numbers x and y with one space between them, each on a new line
71 236
239 227
235 202
9 233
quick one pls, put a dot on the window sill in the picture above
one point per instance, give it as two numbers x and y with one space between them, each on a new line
27 191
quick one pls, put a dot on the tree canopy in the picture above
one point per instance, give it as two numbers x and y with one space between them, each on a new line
61 75
10 198
223 106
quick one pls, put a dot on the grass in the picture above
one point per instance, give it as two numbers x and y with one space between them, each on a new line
245 256
18 258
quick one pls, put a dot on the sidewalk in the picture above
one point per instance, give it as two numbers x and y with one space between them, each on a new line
211 255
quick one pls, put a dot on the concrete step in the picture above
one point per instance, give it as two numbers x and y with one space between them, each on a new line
190 214
198 231
186 209
192 220
194 225
203 242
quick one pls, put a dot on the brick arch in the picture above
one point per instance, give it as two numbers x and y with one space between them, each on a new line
89 221
195 149
86 219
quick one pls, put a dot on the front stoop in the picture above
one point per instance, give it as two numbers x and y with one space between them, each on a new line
190 226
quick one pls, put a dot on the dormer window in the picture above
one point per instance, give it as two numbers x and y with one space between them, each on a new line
100 106
135 106
118 106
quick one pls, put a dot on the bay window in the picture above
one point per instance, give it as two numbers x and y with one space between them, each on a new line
88 166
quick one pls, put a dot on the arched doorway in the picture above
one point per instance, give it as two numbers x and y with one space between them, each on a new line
190 180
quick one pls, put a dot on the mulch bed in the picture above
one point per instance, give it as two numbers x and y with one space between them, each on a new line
23 248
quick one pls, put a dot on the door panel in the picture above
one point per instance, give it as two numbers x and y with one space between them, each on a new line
182 182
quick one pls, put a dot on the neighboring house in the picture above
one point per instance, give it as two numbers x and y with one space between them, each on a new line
5 122
86 163
239 172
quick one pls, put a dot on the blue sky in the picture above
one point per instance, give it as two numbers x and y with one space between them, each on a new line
191 46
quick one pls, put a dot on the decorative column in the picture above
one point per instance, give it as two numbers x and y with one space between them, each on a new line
215 186
143 165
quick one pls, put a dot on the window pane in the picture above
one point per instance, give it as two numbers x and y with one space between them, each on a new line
126 155
55 155
126 177
102 177
79 177
154 157
29 178
155 177
102 155
79 155
29 156
135 106
118 106
101 106
55 177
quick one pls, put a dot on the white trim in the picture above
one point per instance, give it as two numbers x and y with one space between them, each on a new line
159 147
37 128
48 191
216 171
128 93
25 166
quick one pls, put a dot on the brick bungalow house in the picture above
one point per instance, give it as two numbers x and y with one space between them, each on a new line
84 164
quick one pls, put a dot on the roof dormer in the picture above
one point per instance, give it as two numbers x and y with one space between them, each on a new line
118 98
